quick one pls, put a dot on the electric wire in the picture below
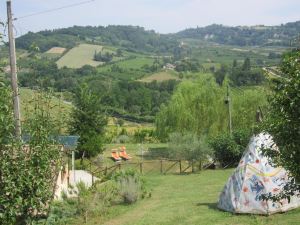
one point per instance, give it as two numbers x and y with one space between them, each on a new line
54 9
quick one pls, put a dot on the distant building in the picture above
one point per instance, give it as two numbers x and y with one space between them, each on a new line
169 66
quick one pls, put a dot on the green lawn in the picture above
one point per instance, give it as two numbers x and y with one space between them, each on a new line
185 199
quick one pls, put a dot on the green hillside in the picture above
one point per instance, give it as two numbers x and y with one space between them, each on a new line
60 109
244 35
79 56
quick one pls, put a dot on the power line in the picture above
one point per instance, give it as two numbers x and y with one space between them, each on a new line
54 9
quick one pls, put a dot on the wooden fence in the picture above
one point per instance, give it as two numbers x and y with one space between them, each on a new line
164 166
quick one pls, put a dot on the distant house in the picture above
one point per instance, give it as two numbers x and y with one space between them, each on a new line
169 66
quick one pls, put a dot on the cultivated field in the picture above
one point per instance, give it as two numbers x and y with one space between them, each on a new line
56 50
160 76
79 56
136 63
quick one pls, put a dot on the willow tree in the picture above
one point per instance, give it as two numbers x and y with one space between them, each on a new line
199 107
196 107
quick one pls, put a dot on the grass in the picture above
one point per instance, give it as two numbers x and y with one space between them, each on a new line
79 56
133 64
161 76
134 150
136 63
185 199
132 68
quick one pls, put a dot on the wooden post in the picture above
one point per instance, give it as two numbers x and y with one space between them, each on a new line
200 165
13 70
141 167
161 166
192 166
105 171
229 109
180 166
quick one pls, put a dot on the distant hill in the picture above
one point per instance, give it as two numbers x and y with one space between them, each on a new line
245 36
134 38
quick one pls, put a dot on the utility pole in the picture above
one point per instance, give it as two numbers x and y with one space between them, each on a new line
229 103
13 70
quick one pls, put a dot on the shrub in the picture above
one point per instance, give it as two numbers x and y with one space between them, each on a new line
228 149
189 147
145 135
131 186
129 189
94 201
122 139
225 149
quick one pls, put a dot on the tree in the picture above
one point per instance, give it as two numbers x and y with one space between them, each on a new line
283 122
247 65
228 148
220 74
27 172
88 121
198 107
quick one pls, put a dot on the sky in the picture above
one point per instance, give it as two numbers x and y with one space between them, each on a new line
163 16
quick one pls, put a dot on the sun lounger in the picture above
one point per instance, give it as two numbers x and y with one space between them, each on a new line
115 155
123 153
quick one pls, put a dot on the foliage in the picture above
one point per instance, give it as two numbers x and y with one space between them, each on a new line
131 185
188 147
130 37
6 116
136 98
89 203
131 100
199 107
244 75
188 65
194 107
27 172
228 149
144 136
88 121
283 122
103 57
221 74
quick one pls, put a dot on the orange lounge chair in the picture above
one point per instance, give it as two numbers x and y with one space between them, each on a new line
123 153
115 155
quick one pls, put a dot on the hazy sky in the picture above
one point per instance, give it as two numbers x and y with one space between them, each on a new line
161 15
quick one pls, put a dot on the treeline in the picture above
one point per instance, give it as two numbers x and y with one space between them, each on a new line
137 98
240 75
132 38
245 36
129 99
135 38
